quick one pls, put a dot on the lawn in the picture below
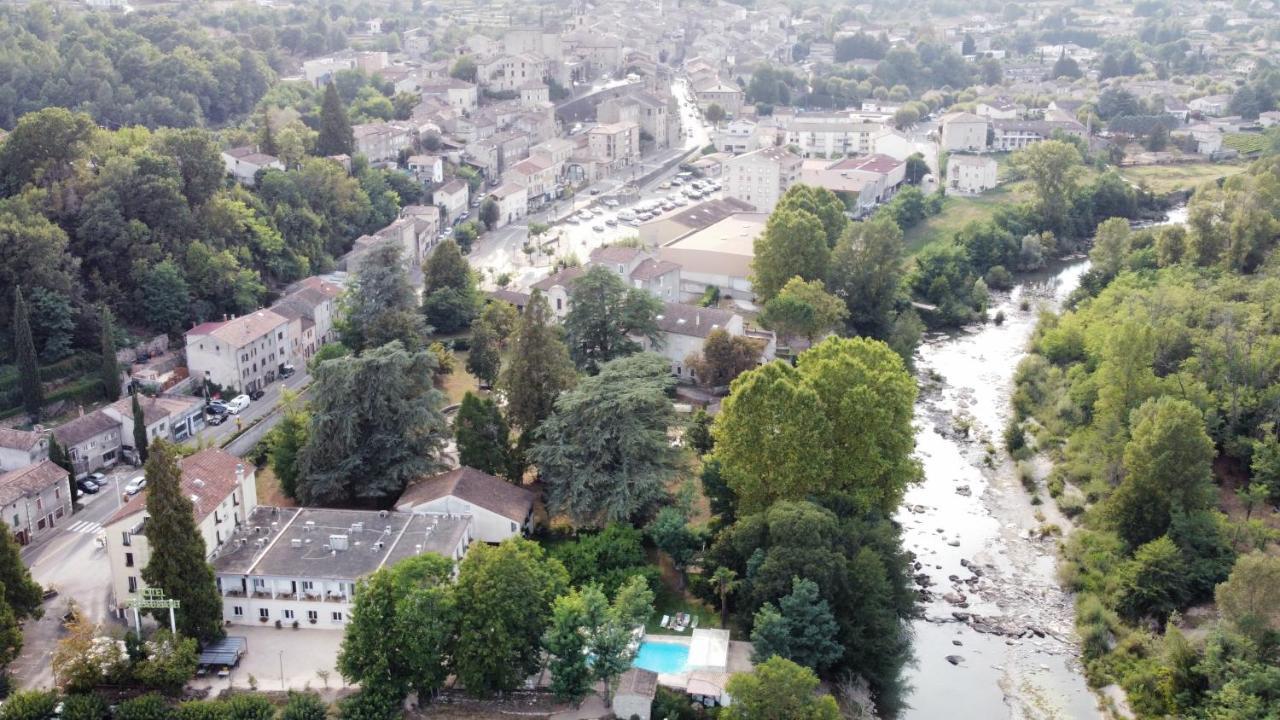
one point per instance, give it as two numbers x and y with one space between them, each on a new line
958 211
670 600
458 382
1164 179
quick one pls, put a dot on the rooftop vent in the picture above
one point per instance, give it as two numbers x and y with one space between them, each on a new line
310 525
296 542
338 542
357 527
198 483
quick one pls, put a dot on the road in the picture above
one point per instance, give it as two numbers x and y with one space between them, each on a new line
264 406
73 563
501 251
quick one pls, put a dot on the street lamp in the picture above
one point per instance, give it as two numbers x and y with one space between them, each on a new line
282 670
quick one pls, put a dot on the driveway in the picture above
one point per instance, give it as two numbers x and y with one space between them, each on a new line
281 659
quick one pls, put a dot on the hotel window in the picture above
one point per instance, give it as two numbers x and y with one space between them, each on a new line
264 613
238 611
128 559
133 584
126 539
313 615
288 614
337 617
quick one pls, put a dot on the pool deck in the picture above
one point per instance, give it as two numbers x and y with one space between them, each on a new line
737 660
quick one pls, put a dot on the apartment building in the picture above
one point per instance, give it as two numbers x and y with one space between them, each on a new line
241 354
761 177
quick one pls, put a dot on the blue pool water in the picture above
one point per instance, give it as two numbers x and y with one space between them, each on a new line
662 657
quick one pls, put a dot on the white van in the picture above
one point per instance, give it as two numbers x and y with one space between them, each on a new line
237 404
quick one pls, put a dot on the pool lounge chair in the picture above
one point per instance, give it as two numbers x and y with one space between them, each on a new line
666 620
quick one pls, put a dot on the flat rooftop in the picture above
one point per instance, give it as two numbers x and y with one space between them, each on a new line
308 542
735 235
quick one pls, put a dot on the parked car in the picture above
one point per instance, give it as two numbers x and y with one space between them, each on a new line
98 478
257 394
597 228
87 486
217 407
238 403
287 371
216 419
134 486
611 222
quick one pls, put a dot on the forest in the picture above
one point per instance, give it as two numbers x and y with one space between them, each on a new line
1157 393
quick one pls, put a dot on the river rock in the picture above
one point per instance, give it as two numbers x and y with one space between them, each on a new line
964 562
957 643
953 543
961 616
963 490
955 659
954 598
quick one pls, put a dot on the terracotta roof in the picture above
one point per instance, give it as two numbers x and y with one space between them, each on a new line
692 320
562 278
19 439
155 409
331 289
85 427
242 330
473 486
638 681
29 480
881 164
650 269
614 254
518 299
208 477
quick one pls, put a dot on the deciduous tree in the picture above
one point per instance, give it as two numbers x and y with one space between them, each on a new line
449 298
803 309
794 243
484 442
724 357
1054 169
504 597
1250 598
778 689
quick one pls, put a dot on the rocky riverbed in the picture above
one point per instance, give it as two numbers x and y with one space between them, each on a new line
995 636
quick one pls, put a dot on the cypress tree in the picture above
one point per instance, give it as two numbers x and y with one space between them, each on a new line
178 562
58 456
25 348
336 137
483 439
21 593
539 367
139 429
267 141
110 368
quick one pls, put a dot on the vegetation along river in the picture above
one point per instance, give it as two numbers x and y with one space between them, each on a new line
996 637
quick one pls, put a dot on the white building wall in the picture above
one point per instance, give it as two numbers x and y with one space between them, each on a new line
486 526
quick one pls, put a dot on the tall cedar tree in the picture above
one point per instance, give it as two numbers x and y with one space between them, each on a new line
110 367
336 137
21 593
178 553
25 347
380 304
267 139
139 429
484 441
58 456
539 368
375 425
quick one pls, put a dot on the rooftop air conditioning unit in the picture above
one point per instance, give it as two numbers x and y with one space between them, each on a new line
338 542
357 527
379 545
382 513
311 525
296 542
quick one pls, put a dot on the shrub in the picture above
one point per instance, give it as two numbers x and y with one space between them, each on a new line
202 710
29 705
303 706
84 707
146 707
249 707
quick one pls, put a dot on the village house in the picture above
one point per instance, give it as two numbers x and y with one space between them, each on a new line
300 566
456 93
557 288
538 176
513 203
381 142
964 132
452 198
683 332
714 91
91 441
1011 135
20 448
498 508
241 354
167 417
640 269
970 174
427 169
1211 105
868 179
243 164
223 491
34 499
311 308
760 178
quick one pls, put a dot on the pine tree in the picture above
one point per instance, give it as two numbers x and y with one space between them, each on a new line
25 347
110 368
58 456
178 562
539 367
21 593
139 429
336 137
483 438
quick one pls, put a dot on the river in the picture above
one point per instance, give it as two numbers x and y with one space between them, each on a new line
996 638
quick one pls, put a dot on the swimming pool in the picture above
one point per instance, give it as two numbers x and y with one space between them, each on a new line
663 658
